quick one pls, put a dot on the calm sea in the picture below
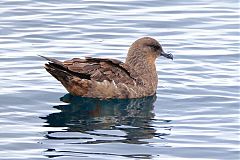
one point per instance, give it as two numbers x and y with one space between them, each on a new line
194 115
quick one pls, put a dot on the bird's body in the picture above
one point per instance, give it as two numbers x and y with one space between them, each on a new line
110 78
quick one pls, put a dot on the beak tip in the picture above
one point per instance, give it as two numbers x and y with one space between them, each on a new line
167 55
170 56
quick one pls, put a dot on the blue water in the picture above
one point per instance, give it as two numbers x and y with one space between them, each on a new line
194 115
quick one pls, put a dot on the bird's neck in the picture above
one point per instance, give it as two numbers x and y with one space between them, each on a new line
145 66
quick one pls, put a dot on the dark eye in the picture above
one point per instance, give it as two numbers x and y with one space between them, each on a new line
155 47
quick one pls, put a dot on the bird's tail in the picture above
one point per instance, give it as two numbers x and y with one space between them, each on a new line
57 69
59 73
55 61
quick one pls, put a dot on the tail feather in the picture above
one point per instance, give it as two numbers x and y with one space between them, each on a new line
52 60
74 82
75 86
58 73
57 66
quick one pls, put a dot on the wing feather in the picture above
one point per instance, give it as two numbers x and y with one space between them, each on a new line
98 69
102 69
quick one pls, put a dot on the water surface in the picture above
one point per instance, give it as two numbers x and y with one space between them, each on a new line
194 114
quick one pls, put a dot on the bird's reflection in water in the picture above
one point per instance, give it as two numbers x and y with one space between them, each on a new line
88 115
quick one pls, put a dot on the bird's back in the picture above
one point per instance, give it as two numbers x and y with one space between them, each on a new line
97 77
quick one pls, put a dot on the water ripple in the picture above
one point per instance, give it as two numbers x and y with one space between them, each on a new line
196 112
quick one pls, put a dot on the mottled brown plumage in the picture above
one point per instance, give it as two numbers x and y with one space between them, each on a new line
111 78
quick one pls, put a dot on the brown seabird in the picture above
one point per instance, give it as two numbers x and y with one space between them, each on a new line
110 78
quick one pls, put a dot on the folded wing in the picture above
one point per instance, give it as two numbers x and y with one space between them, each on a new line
97 69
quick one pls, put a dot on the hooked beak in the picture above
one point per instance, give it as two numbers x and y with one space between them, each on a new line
167 55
